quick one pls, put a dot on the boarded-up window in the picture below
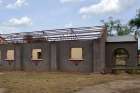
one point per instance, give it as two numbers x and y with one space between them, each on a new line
76 53
138 59
10 55
0 55
36 54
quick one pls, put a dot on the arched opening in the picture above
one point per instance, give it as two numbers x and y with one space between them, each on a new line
121 57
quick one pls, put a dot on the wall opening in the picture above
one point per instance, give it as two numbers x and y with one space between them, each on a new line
121 57
10 55
0 56
76 54
138 60
36 54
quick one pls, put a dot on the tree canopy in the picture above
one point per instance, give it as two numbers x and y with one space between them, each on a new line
115 27
135 23
133 26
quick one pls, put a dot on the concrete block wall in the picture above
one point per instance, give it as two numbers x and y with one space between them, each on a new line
39 65
130 47
56 56
65 64
99 56
10 65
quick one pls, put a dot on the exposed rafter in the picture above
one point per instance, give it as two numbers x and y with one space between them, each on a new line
81 33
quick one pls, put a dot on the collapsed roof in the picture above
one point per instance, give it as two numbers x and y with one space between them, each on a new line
81 33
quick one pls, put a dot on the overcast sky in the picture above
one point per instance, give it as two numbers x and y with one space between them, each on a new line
32 15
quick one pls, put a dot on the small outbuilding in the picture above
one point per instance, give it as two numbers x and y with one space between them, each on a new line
121 52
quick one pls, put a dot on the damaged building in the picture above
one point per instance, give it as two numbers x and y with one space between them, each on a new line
83 49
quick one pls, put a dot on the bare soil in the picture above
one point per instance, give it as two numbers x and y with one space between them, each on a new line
118 86
60 82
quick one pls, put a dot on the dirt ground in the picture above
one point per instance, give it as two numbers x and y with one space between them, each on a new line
118 86
62 82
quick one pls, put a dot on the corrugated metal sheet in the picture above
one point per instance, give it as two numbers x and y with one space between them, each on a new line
125 38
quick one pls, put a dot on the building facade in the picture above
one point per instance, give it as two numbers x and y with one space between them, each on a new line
71 50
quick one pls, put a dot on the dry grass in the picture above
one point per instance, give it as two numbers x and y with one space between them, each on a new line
36 82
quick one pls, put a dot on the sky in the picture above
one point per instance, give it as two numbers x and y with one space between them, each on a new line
36 15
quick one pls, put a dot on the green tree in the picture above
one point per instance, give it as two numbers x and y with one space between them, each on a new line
116 25
124 31
135 24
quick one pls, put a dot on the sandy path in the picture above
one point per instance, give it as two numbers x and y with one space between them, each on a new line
120 86
3 90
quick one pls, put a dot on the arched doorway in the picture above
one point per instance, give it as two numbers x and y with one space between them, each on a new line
120 57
